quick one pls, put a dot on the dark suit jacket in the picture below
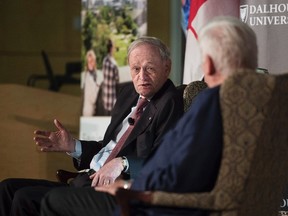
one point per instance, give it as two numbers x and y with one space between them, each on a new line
188 160
163 111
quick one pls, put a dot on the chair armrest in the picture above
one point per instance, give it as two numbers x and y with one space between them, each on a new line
64 176
206 200
124 197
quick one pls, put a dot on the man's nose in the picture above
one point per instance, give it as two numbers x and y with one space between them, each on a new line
143 74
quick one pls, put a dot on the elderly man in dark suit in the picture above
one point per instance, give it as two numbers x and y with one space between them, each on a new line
150 64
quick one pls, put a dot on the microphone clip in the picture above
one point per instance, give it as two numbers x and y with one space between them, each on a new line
131 121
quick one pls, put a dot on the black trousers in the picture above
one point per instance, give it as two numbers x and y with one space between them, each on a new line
77 201
21 197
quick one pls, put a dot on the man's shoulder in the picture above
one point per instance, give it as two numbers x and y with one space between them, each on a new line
168 90
168 98
208 93
106 60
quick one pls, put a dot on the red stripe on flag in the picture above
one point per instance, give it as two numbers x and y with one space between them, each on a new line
201 12
194 7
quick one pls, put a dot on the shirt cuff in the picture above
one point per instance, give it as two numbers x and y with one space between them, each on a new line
78 150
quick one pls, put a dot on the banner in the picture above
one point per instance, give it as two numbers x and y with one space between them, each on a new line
269 20
201 12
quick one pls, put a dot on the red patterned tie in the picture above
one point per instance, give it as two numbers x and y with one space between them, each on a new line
135 115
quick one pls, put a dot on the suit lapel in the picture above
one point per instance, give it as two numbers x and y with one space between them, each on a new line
144 121
120 113
148 114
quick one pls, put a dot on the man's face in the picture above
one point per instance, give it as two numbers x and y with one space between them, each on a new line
148 71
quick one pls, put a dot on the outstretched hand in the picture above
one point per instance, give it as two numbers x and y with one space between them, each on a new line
58 141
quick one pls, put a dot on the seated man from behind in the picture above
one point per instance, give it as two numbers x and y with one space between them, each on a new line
134 132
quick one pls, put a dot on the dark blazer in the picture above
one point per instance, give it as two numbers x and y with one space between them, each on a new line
163 111
189 157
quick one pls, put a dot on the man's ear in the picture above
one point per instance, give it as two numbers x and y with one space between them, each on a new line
168 67
208 66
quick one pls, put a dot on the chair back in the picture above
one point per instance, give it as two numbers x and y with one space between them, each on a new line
49 72
191 91
253 171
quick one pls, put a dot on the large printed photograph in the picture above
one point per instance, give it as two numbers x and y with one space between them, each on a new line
120 20
108 27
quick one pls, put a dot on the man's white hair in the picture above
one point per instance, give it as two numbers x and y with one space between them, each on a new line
230 43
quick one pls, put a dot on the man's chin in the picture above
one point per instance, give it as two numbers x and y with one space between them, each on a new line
146 94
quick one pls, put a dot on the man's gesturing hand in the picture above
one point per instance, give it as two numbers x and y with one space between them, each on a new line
60 140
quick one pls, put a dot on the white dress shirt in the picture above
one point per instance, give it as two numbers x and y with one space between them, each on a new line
99 159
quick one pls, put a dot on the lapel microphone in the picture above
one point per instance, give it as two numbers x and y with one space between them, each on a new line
131 121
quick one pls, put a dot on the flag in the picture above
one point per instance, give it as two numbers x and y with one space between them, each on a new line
185 10
201 12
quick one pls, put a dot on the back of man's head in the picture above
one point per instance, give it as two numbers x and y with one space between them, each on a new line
230 43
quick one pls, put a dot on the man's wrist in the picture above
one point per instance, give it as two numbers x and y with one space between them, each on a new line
125 163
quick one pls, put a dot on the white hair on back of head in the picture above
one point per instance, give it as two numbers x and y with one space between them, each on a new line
230 43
